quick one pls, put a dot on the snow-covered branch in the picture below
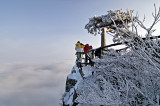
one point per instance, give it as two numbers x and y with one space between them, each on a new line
123 26
105 21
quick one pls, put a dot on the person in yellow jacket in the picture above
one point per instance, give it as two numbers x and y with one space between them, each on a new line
79 48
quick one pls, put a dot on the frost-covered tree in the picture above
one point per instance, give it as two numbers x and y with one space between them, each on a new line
123 26
116 22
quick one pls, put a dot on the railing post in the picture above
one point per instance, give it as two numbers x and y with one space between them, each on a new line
86 58
92 54
79 56
103 37
103 40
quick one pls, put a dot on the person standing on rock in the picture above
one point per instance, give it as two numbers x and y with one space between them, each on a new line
86 49
78 48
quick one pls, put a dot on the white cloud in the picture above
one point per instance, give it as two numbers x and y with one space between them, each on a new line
32 84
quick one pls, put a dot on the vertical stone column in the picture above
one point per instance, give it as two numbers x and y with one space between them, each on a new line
103 37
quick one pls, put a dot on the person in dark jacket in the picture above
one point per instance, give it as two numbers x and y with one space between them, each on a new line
90 47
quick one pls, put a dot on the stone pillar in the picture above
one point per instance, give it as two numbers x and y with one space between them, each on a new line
103 37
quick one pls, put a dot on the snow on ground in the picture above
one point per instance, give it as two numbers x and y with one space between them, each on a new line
119 78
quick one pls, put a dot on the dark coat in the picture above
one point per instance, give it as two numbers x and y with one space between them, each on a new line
98 53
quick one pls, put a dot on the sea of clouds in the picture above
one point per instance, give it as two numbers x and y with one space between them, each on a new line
28 84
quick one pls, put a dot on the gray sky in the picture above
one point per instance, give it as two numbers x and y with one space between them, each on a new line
37 40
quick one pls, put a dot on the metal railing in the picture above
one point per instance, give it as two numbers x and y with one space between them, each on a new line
86 57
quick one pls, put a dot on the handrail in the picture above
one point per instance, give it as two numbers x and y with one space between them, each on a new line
115 44
152 37
100 48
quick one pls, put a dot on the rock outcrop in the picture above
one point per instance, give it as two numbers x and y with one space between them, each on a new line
118 79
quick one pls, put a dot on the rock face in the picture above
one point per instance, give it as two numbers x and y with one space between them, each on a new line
118 79
72 82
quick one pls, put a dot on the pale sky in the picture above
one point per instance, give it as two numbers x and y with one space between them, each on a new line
40 35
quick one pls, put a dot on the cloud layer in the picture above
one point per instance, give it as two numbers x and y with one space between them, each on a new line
24 84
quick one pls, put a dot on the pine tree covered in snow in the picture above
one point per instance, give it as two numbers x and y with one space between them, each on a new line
123 27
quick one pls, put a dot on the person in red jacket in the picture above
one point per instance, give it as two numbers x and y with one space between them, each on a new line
86 48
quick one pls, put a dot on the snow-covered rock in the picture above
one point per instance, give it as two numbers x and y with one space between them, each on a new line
118 79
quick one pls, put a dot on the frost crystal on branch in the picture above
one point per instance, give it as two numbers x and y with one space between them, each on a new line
118 17
123 27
